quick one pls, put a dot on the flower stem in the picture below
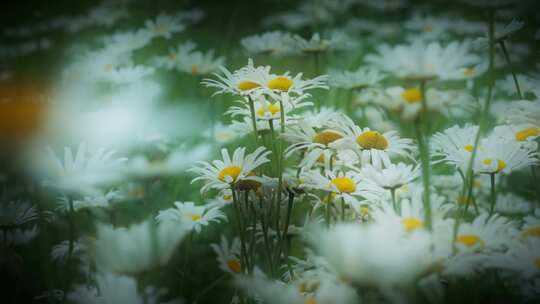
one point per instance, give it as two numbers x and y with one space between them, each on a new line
423 141
238 216
507 58
253 118
493 194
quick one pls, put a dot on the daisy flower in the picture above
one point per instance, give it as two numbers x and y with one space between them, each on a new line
524 134
511 204
485 233
104 200
17 213
421 60
137 248
371 146
236 172
522 258
349 185
336 41
531 224
497 155
228 256
266 109
274 43
454 145
195 62
164 26
195 217
391 177
244 81
361 78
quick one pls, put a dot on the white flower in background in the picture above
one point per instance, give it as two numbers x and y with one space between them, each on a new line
496 155
523 135
531 224
17 213
228 256
361 78
274 43
110 289
519 112
244 81
420 60
101 200
356 252
454 145
164 26
503 32
18 236
81 171
349 185
512 204
325 289
226 173
429 27
60 252
221 133
128 74
522 258
174 163
409 101
122 42
335 41
266 109
194 217
137 248
485 234
371 146
391 177
185 59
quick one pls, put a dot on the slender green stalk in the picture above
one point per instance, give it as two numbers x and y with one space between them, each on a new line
238 215
210 287
423 142
267 245
394 203
507 58
493 194
342 209
536 184
253 118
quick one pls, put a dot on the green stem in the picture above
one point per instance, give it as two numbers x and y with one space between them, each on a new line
394 203
238 216
423 141
493 194
210 287
342 209
535 181
507 57
253 118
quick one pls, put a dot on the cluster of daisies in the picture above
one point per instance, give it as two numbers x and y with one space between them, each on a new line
382 172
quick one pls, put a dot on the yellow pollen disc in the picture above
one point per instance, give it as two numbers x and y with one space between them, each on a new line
533 231
468 71
272 109
364 211
344 184
195 217
501 164
468 147
194 70
526 133
232 171
372 140
411 223
234 265
310 300
326 137
247 85
280 83
108 67
248 184
537 263
321 158
469 240
227 197
412 95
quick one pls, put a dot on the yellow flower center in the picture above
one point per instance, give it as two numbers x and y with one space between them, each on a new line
108 67
344 184
280 83
501 164
533 231
326 137
248 184
310 300
469 240
364 211
247 85
411 223
526 133
468 72
537 263
194 70
195 217
232 171
234 265
272 109
372 140
412 95
468 147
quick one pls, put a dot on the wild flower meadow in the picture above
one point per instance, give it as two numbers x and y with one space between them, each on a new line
288 152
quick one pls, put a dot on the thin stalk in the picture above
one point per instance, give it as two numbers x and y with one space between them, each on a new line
394 203
423 141
535 181
493 194
342 209
238 214
267 248
507 58
210 287
253 118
